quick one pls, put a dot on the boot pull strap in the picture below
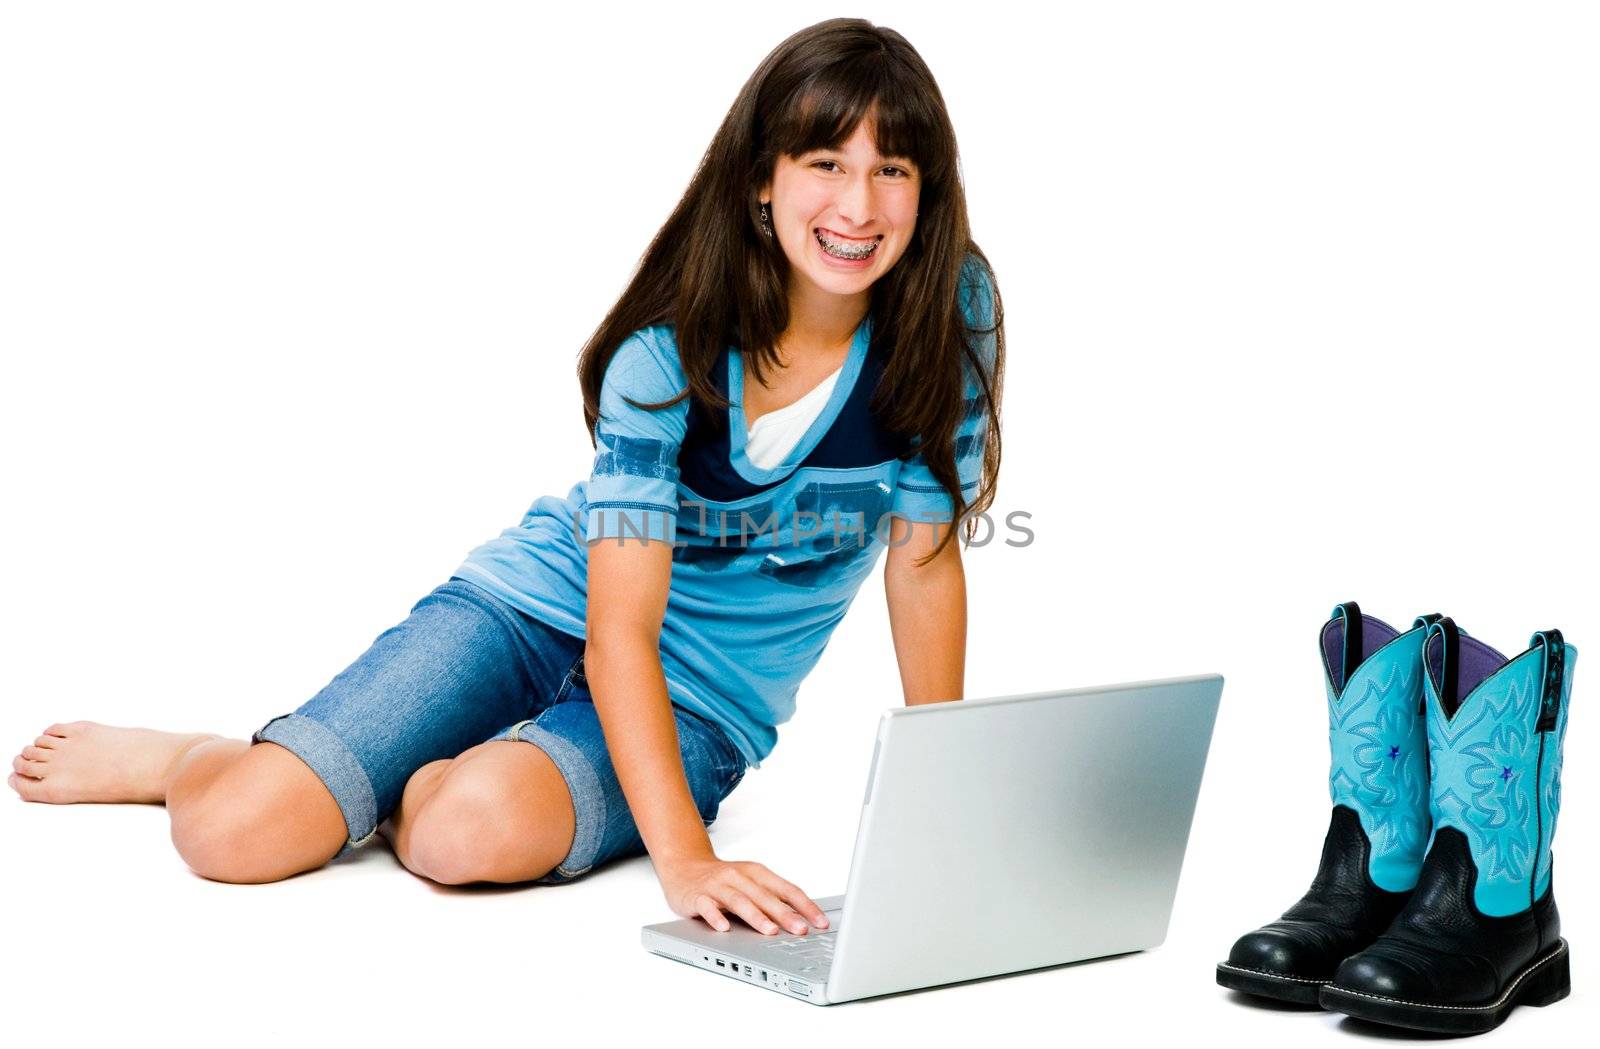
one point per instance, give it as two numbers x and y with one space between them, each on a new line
1449 642
1555 668
1350 612
1423 623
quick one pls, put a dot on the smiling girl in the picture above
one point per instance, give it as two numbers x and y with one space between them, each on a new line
804 372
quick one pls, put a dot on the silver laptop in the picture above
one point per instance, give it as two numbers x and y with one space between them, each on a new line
996 835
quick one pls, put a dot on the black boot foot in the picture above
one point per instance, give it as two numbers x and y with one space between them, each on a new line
1293 958
1545 980
1263 984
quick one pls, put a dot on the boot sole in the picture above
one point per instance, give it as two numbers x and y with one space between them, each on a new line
1545 981
1284 988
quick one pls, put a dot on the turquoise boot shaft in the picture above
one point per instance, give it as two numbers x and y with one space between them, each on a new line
1497 728
1379 738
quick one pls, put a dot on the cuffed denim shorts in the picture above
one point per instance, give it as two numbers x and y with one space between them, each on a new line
465 667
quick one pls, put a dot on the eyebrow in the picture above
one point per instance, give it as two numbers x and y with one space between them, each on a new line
904 161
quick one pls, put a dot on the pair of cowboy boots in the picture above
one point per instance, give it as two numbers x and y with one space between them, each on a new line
1433 907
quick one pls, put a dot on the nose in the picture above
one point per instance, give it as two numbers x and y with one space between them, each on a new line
856 202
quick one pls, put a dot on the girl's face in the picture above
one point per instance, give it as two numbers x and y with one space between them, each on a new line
843 216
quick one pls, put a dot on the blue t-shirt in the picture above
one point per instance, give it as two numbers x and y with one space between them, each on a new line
765 561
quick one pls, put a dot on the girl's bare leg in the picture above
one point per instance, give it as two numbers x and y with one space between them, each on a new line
396 830
240 812
87 761
500 812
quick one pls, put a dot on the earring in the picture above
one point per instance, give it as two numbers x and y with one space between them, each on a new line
766 219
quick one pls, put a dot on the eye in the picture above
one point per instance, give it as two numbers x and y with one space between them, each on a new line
903 173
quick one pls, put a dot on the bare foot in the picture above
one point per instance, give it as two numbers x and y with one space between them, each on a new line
88 761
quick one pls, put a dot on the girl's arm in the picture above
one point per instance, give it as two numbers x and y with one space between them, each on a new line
628 586
927 611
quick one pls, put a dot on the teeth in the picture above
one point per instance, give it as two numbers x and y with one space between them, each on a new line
846 249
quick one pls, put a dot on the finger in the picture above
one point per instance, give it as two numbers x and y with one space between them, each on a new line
769 902
746 908
707 907
791 893
47 741
36 753
28 768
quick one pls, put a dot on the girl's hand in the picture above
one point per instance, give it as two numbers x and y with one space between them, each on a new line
703 888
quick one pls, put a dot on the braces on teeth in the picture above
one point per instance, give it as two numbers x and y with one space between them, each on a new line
845 250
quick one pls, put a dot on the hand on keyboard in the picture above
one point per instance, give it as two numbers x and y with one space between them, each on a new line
704 888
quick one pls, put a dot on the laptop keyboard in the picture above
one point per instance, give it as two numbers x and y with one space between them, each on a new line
812 952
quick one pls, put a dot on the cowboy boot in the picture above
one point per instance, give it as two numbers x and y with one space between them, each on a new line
1374 845
1481 934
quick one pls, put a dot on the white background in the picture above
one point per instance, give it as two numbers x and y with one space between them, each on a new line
1301 306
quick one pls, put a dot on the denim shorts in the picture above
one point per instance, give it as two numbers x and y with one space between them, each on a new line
463 668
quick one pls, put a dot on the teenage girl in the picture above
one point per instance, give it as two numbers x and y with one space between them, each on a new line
804 371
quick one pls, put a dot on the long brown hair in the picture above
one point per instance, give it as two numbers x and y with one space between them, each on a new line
711 274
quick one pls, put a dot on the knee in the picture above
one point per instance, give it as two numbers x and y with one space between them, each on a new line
468 832
218 835
245 828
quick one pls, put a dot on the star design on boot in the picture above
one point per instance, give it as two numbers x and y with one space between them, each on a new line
1501 809
1389 784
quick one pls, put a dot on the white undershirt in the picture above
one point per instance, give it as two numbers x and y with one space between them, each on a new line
775 434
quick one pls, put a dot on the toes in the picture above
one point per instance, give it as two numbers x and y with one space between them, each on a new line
30 789
64 728
36 753
28 768
47 742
